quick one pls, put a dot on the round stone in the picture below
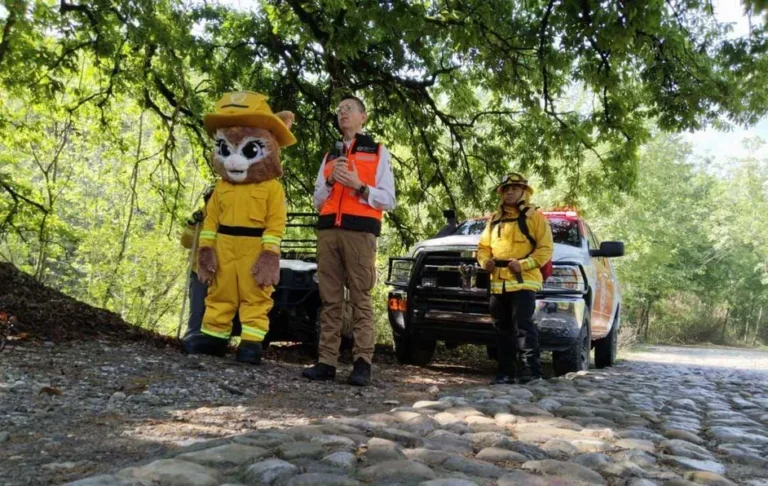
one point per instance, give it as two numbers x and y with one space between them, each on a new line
173 472
496 454
397 471
270 472
342 460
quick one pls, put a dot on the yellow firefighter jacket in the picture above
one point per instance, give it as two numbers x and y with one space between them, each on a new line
187 238
504 241
259 205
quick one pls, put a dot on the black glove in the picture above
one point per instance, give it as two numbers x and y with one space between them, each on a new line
197 217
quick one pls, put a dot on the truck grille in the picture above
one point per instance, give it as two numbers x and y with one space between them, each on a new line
449 270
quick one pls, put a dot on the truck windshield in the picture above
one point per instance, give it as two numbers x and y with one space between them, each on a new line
564 231
471 227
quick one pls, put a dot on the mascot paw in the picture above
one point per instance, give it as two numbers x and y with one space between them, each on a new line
206 265
266 270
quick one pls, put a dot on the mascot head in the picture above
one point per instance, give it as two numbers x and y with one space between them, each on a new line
248 137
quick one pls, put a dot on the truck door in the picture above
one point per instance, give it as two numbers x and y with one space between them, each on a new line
603 303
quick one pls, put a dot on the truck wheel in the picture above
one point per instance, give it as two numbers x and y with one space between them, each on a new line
605 348
410 350
577 357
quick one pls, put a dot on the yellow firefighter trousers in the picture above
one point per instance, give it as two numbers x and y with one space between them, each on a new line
234 289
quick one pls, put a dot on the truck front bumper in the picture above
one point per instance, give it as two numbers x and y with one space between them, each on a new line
559 318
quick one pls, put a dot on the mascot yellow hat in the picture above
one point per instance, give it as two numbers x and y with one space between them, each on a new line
247 109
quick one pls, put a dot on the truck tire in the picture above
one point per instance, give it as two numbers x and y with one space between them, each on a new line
410 350
605 348
577 357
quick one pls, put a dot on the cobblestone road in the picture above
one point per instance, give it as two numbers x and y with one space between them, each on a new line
664 416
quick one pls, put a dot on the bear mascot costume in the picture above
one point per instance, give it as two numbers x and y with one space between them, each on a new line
239 254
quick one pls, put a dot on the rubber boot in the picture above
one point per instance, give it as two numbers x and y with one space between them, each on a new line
249 352
205 344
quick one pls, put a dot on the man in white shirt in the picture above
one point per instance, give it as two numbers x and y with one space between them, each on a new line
352 191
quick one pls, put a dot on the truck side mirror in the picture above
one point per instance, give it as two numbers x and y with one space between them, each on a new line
609 249
449 215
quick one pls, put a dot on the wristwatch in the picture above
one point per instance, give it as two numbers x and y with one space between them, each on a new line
362 191
328 182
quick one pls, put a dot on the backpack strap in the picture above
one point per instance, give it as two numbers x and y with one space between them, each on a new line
497 222
521 222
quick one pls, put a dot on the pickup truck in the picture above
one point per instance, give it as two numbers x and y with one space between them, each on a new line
439 293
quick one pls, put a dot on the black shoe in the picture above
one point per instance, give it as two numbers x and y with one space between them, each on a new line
502 379
319 372
361 373
205 344
249 352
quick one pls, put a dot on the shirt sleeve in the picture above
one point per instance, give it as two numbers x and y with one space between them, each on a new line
383 195
188 236
276 219
211 222
322 191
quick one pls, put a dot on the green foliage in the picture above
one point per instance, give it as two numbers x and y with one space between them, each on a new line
460 89
696 246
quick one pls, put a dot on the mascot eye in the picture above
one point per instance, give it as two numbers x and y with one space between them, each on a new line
223 148
252 149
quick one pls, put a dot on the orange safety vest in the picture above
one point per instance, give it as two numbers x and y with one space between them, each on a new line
343 208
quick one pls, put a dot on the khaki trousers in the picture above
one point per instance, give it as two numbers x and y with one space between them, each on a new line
346 258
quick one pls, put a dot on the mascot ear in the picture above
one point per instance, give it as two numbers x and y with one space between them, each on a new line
286 117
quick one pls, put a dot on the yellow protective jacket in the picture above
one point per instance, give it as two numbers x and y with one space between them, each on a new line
505 241
188 237
259 205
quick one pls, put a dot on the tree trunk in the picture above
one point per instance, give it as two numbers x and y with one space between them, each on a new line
749 317
641 320
725 323
757 325
648 321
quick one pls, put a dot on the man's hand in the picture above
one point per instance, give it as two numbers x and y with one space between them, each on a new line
349 178
339 165
490 265
515 266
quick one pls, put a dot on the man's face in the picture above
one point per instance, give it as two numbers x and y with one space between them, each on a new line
350 116
512 194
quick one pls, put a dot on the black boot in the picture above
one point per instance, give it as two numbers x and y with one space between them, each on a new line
361 373
319 372
504 379
249 352
531 368
205 344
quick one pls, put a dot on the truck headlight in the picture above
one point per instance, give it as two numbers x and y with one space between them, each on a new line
565 277
401 271
315 278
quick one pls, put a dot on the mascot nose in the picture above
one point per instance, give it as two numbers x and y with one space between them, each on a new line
236 162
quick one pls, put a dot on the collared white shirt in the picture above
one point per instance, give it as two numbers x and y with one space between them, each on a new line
381 196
